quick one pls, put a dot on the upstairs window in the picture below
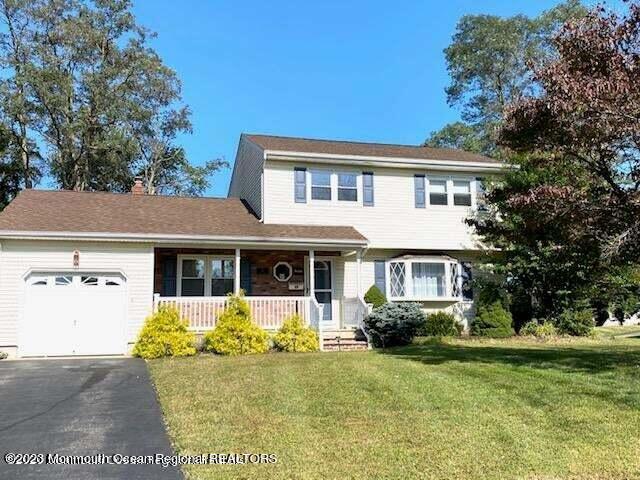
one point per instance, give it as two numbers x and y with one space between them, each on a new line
438 192
320 185
462 193
348 187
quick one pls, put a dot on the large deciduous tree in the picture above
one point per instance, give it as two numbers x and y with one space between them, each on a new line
489 62
81 81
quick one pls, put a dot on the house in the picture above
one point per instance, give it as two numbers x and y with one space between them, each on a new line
307 228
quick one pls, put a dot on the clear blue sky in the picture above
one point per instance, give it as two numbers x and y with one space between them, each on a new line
354 70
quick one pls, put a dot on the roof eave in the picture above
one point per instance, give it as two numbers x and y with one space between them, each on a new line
186 239
392 162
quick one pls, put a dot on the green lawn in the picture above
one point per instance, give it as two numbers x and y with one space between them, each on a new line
455 410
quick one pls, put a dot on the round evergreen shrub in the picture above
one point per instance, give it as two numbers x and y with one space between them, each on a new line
375 297
293 336
165 334
493 320
394 324
234 333
441 324
578 323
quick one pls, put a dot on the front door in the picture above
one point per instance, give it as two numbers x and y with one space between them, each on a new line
324 287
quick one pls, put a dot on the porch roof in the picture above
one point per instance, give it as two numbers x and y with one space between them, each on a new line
45 213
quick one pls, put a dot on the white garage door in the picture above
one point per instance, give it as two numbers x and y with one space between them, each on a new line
73 314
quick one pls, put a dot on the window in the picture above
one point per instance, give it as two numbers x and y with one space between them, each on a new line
222 277
348 187
192 283
427 279
438 192
64 280
462 193
91 281
397 279
320 185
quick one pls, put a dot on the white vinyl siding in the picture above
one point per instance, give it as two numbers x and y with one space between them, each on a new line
246 182
17 257
392 223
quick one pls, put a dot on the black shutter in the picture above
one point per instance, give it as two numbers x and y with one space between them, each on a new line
300 185
380 277
169 268
367 189
419 191
245 276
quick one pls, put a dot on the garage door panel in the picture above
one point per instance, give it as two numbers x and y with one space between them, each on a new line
74 314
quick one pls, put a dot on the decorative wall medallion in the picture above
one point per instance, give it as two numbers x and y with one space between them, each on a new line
282 271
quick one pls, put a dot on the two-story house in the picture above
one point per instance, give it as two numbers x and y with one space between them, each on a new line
307 228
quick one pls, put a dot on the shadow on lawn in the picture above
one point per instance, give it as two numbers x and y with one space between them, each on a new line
582 359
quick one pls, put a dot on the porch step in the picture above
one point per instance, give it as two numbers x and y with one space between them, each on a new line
344 340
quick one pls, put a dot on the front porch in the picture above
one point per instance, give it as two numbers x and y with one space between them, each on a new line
276 283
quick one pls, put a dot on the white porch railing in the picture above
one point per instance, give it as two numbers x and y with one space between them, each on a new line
316 311
354 311
267 312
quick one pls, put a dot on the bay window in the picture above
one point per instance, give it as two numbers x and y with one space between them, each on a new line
205 275
424 278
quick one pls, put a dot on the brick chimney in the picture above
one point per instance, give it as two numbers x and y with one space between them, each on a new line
138 188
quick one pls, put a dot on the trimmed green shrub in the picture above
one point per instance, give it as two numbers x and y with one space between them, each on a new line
293 336
165 334
441 324
394 324
578 323
492 321
235 334
375 297
534 329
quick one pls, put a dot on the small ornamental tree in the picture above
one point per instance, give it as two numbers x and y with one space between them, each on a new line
164 334
492 321
234 333
375 297
394 324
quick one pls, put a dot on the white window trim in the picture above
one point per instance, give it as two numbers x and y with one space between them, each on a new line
449 179
408 279
310 173
207 270
357 201
333 183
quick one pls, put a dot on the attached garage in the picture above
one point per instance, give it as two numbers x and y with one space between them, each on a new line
70 313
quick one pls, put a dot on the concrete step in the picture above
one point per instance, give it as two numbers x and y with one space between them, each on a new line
344 344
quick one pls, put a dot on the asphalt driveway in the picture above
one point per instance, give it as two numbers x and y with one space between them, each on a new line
81 407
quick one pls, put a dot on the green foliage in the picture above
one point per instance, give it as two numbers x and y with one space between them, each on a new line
441 324
394 324
293 336
492 320
534 329
461 136
83 83
375 297
164 334
3 355
234 333
577 323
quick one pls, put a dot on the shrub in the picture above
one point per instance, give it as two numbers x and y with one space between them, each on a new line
3 355
164 334
394 324
534 329
441 324
375 297
492 321
293 336
575 322
235 334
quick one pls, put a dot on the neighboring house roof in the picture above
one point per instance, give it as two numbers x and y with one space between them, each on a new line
337 147
122 214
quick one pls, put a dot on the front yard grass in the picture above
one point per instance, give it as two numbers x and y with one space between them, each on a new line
460 409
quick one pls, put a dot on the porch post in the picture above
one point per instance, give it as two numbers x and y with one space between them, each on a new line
359 273
312 274
236 277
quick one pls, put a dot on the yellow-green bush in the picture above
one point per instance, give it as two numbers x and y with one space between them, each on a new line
164 334
235 334
293 336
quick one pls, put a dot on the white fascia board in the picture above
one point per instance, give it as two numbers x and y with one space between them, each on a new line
182 239
395 162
